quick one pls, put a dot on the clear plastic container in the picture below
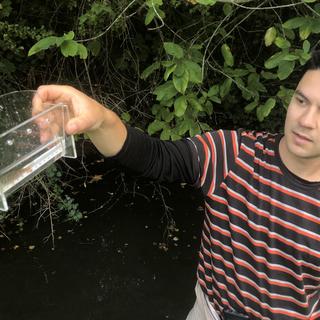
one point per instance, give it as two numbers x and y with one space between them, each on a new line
29 144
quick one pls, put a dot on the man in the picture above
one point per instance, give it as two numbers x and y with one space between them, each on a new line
260 248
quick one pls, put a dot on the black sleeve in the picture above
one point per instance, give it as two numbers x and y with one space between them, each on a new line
171 161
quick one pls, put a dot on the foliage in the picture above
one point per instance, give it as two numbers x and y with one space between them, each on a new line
173 68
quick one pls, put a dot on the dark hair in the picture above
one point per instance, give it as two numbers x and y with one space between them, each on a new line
313 63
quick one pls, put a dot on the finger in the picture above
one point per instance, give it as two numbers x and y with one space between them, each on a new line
55 93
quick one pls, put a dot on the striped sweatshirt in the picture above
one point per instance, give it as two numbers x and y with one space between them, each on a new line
260 246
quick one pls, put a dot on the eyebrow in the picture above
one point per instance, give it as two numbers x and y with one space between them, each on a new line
299 93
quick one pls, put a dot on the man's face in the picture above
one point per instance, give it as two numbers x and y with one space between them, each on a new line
302 125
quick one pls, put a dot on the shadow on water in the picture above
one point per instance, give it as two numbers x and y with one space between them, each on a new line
111 266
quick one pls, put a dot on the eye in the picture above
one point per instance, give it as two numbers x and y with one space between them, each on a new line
300 100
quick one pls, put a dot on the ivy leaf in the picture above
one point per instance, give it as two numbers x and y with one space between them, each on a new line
270 36
194 70
180 106
181 83
227 55
69 48
173 49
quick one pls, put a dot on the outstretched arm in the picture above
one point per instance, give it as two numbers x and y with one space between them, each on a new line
104 128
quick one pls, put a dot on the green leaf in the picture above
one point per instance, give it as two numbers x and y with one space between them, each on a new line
183 126
146 73
227 55
69 48
205 127
285 69
268 75
306 46
165 91
94 47
304 31
150 16
173 49
207 2
82 51
194 70
155 126
251 106
227 9
125 116
294 23
194 129
167 63
238 72
285 95
277 58
208 107
169 70
165 134
215 99
195 104
180 106
270 36
264 110
42 44
213 91
282 43
225 87
181 83
68 36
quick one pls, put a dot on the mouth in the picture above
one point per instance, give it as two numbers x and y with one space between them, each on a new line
301 137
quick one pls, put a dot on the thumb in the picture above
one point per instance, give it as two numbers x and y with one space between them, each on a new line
76 125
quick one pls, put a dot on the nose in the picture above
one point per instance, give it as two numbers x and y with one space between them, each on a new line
309 118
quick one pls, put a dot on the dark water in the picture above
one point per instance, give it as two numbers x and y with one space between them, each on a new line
111 266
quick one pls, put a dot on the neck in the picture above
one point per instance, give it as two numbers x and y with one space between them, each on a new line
305 168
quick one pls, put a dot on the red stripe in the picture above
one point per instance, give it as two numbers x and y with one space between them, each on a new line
206 160
273 201
264 181
223 143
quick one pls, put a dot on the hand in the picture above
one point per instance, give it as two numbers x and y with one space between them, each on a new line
86 114
103 126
